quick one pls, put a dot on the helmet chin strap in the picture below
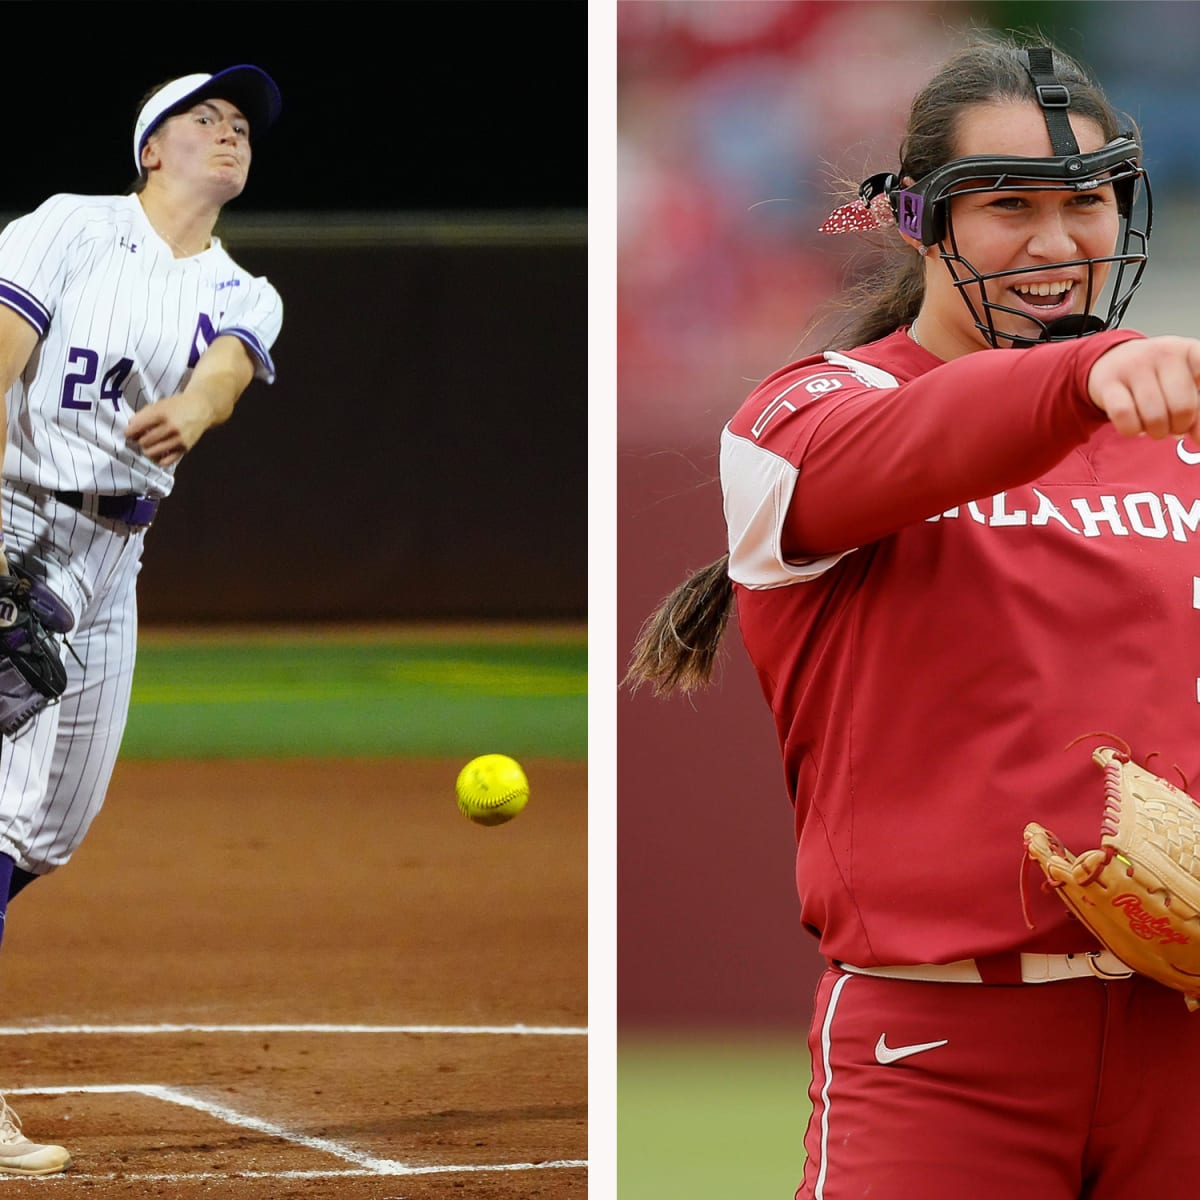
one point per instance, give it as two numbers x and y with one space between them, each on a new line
1063 329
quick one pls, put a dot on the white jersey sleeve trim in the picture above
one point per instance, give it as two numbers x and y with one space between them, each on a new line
863 372
758 486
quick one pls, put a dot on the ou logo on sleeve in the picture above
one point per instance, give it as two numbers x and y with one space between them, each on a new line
824 383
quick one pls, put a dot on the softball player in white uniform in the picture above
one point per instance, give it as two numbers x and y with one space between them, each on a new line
126 331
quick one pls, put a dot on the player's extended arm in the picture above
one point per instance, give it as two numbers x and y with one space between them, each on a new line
973 427
167 429
18 340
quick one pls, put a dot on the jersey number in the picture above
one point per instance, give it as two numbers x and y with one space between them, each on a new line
89 363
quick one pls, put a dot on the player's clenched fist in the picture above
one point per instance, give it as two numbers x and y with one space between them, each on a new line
1150 386
166 430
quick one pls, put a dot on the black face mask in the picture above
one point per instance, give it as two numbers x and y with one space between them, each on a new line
923 211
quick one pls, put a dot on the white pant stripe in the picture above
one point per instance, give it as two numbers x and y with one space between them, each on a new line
827 1069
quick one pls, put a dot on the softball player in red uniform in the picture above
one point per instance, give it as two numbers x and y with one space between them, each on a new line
959 541
126 331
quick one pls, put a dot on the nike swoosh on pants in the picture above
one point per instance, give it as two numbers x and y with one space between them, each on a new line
889 1054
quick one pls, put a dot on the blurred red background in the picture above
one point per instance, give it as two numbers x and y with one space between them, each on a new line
739 125
735 120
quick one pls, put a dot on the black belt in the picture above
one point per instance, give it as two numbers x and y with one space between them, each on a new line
133 510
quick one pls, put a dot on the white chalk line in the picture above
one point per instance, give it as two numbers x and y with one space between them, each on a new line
75 1175
140 1030
369 1164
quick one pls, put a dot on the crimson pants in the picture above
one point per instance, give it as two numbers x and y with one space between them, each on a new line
1074 1090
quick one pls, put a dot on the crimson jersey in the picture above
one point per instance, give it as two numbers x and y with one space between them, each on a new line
945 573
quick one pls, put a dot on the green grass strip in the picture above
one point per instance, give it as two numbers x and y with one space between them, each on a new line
373 696
711 1120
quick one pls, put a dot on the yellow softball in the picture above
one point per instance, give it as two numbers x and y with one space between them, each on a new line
492 789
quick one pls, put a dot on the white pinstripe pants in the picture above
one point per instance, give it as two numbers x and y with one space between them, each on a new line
55 772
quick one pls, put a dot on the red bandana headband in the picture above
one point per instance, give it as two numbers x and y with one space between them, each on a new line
871 210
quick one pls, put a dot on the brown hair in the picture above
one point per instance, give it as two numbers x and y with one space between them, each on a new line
676 648
991 68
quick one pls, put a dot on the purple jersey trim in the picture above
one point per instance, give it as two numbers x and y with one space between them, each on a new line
21 301
252 342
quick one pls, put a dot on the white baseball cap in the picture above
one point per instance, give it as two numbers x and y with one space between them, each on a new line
250 88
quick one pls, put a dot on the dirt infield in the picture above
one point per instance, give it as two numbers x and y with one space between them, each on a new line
306 979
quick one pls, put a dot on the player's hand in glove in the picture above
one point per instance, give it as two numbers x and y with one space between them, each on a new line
1139 891
32 674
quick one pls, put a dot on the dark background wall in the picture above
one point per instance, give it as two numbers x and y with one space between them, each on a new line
388 105
422 453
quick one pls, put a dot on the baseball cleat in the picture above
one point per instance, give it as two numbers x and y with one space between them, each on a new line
20 1156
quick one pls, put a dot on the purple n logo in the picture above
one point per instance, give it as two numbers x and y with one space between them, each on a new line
204 337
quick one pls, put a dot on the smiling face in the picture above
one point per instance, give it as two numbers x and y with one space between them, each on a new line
206 147
1044 235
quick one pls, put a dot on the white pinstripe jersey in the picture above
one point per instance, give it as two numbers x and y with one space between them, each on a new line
121 323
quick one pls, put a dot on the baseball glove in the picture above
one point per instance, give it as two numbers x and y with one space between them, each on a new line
1139 891
32 674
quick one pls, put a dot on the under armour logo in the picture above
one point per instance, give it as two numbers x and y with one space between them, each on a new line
132 245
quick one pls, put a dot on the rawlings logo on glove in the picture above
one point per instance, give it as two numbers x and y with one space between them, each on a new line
1139 891
32 674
